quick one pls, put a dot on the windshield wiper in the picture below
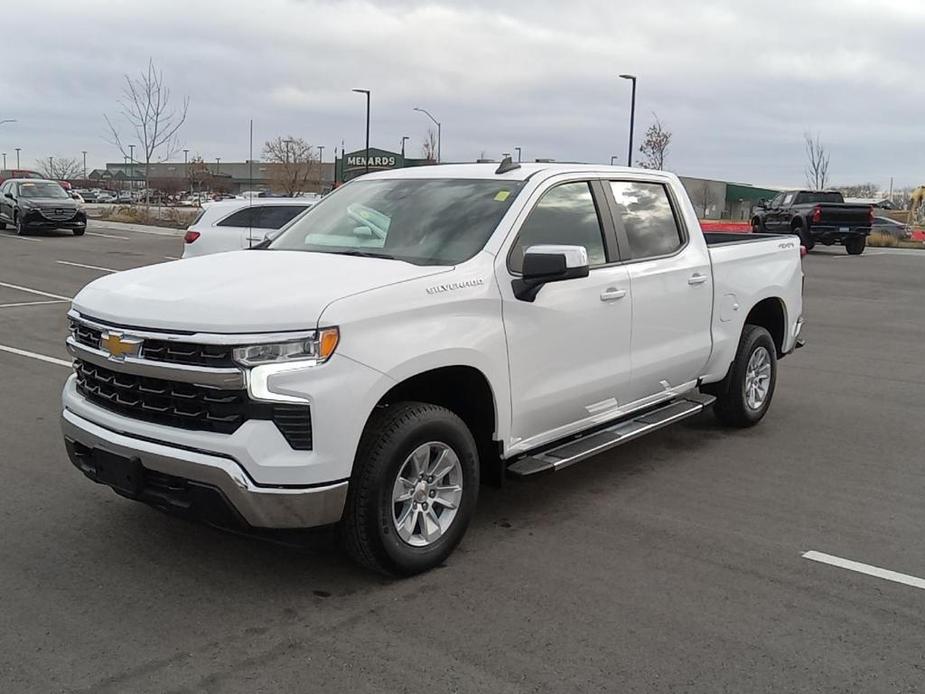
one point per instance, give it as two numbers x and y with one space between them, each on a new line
363 254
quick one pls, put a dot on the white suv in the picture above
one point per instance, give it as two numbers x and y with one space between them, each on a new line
232 225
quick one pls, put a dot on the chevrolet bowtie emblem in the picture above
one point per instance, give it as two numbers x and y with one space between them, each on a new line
118 346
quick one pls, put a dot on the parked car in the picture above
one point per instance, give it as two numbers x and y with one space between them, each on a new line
29 203
816 216
892 227
416 332
105 196
231 225
88 195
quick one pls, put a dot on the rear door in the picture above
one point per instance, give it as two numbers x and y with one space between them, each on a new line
672 288
779 210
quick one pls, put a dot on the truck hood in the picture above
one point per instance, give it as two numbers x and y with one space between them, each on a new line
239 292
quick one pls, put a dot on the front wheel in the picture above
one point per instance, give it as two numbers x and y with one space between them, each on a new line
20 227
79 231
744 396
855 245
757 227
413 489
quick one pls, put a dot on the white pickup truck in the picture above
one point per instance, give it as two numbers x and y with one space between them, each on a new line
418 331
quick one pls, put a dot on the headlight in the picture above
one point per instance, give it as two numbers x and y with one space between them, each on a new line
317 348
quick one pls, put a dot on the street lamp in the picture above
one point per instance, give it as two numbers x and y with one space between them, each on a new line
629 158
437 123
218 165
17 156
51 167
84 152
131 159
186 169
613 158
321 154
4 160
404 139
366 157
518 154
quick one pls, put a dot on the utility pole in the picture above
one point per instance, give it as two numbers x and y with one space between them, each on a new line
366 156
629 157
84 152
17 157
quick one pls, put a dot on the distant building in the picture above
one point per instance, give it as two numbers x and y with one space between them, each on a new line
232 176
724 200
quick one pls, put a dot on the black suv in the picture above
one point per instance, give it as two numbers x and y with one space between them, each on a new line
31 203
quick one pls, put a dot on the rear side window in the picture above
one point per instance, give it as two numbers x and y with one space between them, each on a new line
565 215
277 216
242 218
788 198
646 214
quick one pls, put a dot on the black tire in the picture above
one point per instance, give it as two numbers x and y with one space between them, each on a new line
80 231
856 245
731 407
757 226
367 529
805 239
20 227
2 225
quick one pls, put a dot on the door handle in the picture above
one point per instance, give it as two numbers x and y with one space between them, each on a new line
612 294
696 279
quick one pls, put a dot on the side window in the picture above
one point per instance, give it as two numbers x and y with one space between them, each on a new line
776 201
242 218
276 216
565 215
788 198
646 214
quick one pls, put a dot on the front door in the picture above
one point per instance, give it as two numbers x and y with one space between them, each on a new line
672 285
569 349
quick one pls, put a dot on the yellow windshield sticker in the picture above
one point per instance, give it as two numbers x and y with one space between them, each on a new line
502 195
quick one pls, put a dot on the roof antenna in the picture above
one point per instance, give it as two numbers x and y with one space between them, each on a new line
507 164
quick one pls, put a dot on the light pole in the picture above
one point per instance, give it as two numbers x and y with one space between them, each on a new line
84 152
51 167
613 158
186 169
439 128
518 154
321 154
131 160
629 157
17 156
218 165
366 156
404 139
4 160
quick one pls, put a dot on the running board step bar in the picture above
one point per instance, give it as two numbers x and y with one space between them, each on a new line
626 430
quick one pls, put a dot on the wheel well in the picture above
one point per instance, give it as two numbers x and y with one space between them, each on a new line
769 314
465 391
796 223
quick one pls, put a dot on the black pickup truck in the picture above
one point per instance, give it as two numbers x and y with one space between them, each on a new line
816 215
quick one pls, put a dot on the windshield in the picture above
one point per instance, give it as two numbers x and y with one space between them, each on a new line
41 189
819 196
420 221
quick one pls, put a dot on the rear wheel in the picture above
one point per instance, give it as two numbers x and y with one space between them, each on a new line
855 245
806 239
744 396
413 490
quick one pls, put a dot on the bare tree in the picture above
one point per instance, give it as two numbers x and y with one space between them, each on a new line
654 148
294 166
60 168
817 162
200 177
429 149
705 197
150 118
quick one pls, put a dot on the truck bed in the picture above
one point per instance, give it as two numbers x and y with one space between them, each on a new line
721 238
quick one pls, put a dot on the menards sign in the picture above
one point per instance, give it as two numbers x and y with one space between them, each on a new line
353 164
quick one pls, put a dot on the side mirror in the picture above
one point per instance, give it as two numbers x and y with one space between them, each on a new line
10 196
545 264
762 204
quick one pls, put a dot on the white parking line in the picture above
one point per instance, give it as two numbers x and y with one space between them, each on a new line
33 303
35 291
19 238
107 236
33 355
875 571
89 267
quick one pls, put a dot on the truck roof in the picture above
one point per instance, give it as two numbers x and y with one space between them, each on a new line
487 171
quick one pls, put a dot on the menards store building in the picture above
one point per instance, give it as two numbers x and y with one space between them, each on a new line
353 164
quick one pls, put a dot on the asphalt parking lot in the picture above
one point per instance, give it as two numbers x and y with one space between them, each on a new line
672 564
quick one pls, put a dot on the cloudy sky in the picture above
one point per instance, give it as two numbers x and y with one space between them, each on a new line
738 83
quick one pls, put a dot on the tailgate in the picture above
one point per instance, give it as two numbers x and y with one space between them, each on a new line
847 215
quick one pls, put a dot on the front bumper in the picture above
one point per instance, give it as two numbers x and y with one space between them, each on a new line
194 481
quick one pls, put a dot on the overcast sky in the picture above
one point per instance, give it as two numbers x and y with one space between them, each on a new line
738 83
